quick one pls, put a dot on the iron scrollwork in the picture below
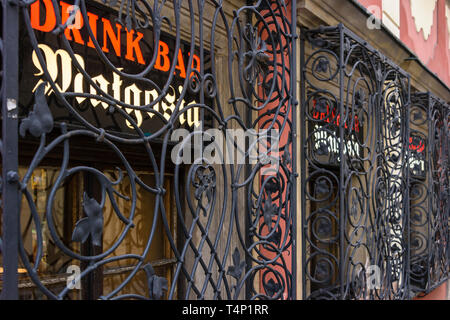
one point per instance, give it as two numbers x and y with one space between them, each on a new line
221 249
355 173
429 193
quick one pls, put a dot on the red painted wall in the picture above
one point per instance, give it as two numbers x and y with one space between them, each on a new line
439 293
433 52
265 121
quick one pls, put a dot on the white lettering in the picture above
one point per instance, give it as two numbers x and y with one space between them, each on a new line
132 94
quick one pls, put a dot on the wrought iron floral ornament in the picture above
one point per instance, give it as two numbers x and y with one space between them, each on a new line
270 209
92 225
271 287
156 285
39 120
238 266
257 57
204 184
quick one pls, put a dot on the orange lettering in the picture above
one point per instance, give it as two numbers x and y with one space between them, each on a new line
163 51
50 18
133 45
64 16
180 65
109 32
93 24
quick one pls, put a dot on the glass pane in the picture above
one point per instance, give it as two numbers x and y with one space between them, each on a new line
50 225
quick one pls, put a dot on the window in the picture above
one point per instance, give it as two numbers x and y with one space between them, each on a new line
355 172
56 267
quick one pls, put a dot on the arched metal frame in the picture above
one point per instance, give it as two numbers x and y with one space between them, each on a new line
240 251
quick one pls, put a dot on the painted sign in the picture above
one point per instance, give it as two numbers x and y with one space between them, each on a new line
129 51
326 139
417 157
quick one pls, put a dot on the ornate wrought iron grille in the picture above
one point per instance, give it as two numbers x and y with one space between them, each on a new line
429 192
85 192
214 231
355 177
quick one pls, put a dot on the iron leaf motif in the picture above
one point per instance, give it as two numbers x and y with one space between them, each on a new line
238 266
156 285
270 210
322 65
206 185
321 271
92 224
322 105
271 287
322 186
40 120
324 228
271 186
275 237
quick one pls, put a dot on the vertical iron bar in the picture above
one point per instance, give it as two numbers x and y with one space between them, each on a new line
407 202
341 160
303 160
248 170
10 192
294 105
430 183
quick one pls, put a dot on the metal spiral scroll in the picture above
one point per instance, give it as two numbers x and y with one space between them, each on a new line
355 178
210 259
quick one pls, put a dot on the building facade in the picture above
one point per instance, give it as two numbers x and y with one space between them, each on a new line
225 149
